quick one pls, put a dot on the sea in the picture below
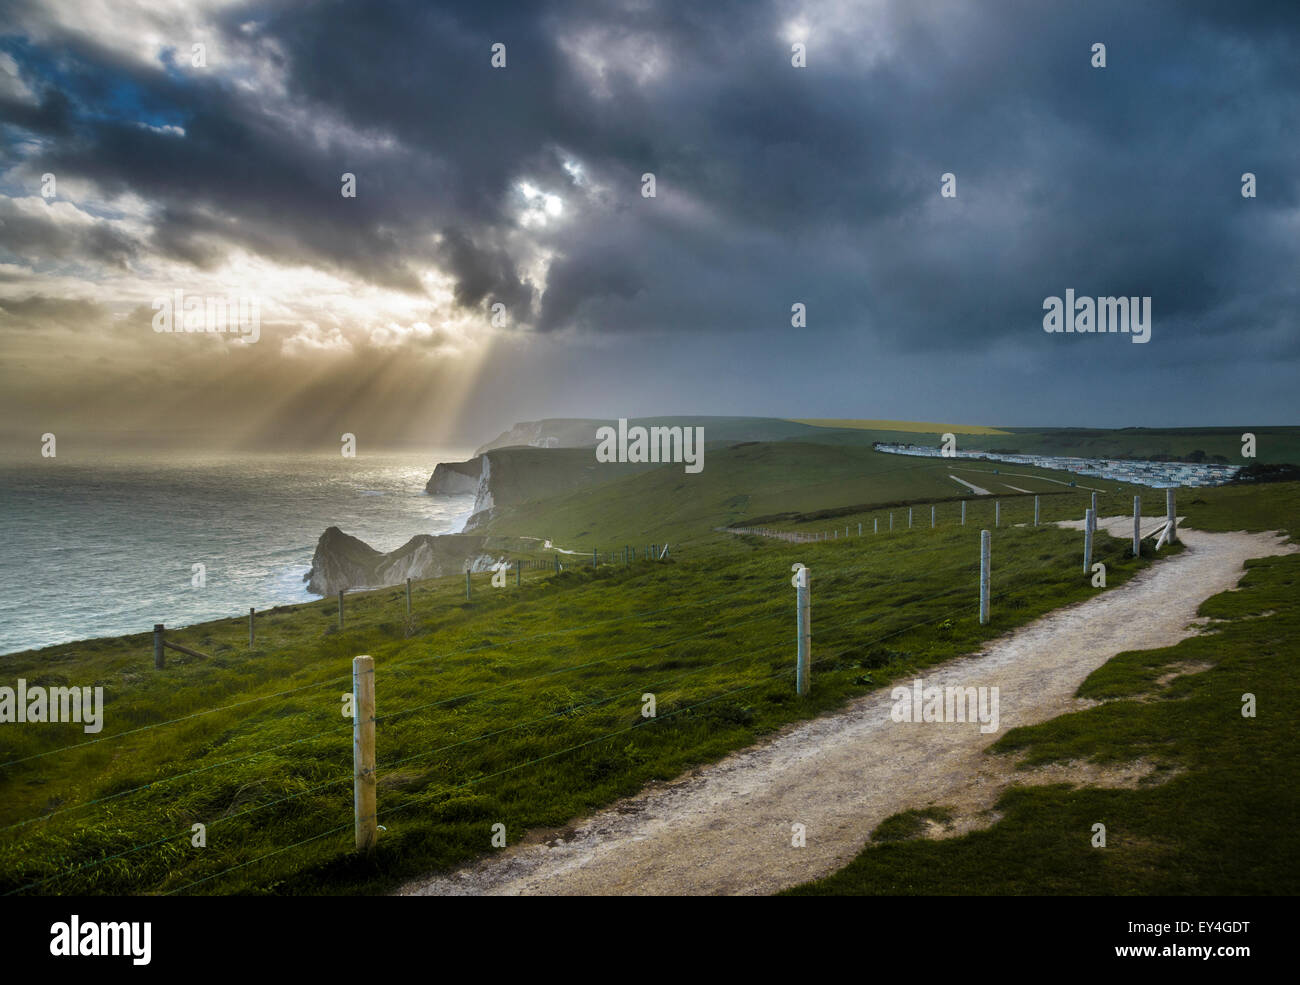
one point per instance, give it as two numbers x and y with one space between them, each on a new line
106 545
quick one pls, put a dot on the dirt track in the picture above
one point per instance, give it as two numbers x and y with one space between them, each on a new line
977 490
726 828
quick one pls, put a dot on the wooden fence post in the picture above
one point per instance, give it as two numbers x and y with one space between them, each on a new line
1035 511
519 572
986 558
159 660
963 512
251 637
997 512
931 517
909 518
467 584
875 524
803 624
363 751
1172 511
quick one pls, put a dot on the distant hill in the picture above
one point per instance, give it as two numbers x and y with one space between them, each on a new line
1276 444
571 432
762 466
744 481
541 478
906 427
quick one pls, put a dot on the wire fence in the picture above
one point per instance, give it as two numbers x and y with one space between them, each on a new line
862 573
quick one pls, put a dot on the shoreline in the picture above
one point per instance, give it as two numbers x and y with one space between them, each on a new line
279 584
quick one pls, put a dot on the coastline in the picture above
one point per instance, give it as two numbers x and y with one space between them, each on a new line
142 526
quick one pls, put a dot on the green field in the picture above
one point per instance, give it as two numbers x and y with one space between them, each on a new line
522 706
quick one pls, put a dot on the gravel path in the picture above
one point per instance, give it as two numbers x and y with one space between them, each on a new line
726 828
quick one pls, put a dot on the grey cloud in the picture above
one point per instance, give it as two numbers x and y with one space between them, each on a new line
775 184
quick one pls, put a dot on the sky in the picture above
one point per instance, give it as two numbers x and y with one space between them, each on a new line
500 260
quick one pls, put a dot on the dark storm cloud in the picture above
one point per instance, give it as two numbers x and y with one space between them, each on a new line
50 116
482 272
775 185
820 185
36 238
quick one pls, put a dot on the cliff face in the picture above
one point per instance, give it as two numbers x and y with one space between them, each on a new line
455 478
483 499
504 478
343 562
473 476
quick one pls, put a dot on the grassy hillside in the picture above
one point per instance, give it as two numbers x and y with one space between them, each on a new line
521 706
1274 443
907 427
549 492
1218 817
823 468
523 474
751 483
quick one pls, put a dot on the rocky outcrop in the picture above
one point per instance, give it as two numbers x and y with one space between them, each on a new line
455 478
479 519
344 562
